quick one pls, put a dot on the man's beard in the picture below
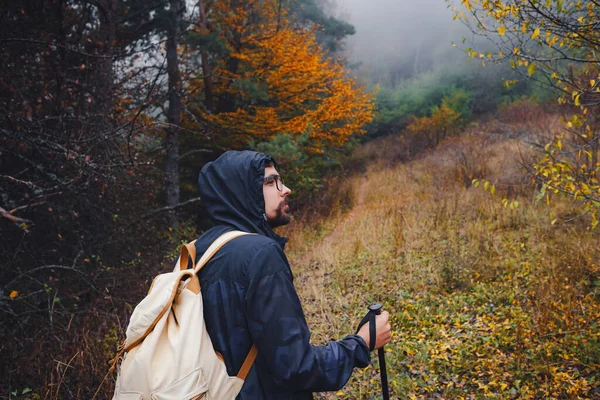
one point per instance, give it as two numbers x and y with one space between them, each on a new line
281 218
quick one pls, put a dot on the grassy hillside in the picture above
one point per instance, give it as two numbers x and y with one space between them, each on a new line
486 301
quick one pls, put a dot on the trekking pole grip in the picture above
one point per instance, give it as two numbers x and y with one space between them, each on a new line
376 308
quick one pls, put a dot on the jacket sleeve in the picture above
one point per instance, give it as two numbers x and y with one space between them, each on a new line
278 328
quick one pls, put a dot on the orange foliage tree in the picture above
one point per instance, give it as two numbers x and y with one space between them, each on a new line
270 77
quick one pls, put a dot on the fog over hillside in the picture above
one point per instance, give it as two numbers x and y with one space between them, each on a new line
410 36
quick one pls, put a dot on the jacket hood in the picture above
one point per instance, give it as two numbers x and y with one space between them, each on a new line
231 188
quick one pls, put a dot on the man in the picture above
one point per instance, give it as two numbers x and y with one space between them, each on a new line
248 291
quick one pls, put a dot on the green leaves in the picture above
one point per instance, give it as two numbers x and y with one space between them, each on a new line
15 393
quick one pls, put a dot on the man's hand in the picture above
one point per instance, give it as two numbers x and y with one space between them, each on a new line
383 330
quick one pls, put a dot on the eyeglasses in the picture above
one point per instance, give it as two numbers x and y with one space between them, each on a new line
275 178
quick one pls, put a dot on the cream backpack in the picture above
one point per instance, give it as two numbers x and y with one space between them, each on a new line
168 353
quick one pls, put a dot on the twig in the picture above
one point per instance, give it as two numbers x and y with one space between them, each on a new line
170 208
83 53
195 151
159 210
26 206
12 179
9 216
101 383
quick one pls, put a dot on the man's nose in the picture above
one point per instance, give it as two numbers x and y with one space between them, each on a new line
286 191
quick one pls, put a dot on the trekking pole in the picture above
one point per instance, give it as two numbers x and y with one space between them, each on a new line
375 309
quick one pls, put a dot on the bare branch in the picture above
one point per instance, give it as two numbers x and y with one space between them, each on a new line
13 218
160 210
15 180
195 151
83 53
170 208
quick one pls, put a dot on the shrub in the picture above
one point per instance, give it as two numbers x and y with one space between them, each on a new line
431 130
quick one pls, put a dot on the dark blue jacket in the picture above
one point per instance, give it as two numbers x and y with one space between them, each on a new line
249 295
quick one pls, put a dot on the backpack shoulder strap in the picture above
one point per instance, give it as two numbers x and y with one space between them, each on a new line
189 251
216 245
245 369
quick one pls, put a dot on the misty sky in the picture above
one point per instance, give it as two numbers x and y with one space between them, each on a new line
400 30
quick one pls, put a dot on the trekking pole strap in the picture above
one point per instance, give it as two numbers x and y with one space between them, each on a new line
370 318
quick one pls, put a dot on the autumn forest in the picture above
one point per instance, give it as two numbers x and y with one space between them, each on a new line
444 157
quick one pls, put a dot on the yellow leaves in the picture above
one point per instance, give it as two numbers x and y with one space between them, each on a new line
592 82
531 69
536 33
501 30
576 95
13 294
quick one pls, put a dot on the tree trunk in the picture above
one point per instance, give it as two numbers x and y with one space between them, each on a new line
206 70
174 111
226 103
105 74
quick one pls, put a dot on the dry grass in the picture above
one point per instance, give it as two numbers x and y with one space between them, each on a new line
486 301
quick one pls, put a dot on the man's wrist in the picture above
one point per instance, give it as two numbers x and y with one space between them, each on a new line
362 358
362 341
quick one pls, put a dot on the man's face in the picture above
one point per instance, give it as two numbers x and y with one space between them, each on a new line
275 193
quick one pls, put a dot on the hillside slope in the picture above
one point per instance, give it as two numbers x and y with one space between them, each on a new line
486 300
